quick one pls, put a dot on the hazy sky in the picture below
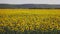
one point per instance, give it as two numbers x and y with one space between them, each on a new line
30 1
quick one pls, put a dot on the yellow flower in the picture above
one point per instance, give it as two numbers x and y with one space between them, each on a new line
31 28
2 30
22 29
15 29
27 28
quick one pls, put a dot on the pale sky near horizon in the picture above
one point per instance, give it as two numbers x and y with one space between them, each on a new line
29 1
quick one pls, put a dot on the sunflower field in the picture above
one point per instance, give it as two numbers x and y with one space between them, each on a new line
29 21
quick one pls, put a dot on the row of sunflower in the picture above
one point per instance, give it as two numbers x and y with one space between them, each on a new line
30 23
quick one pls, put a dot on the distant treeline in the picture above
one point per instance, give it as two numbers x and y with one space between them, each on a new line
29 6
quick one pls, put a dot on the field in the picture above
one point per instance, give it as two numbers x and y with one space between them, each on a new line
29 21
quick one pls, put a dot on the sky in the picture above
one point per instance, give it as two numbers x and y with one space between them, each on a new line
29 1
